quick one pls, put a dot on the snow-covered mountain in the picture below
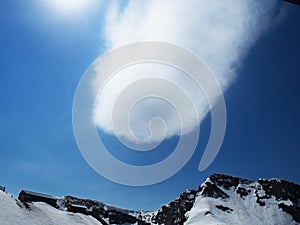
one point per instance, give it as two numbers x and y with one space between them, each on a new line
221 199
229 200
14 212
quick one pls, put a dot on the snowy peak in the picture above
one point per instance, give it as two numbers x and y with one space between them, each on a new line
230 200
227 181
283 191
221 199
264 189
213 186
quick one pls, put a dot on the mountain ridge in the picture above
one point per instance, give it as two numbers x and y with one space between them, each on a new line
220 199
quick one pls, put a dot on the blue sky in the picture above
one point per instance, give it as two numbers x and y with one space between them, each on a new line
43 56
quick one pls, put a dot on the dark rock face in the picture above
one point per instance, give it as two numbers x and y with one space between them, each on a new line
171 214
227 181
101 211
283 190
215 187
174 212
224 208
243 192
211 190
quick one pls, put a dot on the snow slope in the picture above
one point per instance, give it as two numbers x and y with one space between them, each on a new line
14 212
221 199
236 209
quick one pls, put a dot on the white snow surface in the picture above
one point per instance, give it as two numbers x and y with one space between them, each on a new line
14 212
245 211
240 210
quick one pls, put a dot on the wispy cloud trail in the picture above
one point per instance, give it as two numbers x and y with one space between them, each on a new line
220 32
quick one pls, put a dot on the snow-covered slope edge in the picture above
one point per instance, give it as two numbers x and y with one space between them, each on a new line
223 199
14 212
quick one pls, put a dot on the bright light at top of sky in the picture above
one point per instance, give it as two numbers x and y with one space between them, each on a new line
70 8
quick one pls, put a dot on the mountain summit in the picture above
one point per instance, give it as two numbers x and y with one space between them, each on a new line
224 199
221 199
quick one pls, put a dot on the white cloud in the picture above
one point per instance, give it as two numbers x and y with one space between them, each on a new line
220 32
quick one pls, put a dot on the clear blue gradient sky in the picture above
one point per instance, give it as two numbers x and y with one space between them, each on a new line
43 56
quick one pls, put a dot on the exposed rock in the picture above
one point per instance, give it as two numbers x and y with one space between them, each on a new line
224 208
217 186
174 212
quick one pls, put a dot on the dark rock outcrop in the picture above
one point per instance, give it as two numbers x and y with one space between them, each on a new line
174 212
216 186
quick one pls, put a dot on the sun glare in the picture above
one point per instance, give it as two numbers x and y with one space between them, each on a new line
71 7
